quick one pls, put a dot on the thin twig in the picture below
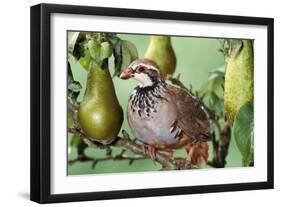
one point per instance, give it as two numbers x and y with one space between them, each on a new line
95 160
221 147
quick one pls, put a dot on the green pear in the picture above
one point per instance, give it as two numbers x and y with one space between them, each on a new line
160 50
100 114
239 76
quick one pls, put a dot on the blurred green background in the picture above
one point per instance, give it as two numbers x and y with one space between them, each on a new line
196 57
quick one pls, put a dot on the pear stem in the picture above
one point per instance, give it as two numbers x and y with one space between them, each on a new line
165 39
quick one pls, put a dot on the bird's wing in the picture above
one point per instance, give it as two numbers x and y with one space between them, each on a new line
191 118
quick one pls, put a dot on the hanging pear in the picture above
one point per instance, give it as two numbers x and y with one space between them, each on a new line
160 50
100 114
239 75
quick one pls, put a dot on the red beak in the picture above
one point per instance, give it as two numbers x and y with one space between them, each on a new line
126 74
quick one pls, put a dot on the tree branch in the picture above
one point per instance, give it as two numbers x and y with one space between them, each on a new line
127 144
120 157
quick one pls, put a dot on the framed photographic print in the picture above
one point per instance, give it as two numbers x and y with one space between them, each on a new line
133 103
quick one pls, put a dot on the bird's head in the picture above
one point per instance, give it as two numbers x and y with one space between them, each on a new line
143 70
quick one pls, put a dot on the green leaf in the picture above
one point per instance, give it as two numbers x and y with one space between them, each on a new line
70 119
124 53
113 39
106 50
215 81
117 52
243 132
73 90
213 89
131 48
72 38
85 60
73 87
75 140
217 87
126 56
79 45
95 51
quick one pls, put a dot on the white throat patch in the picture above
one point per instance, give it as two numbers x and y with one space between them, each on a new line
143 79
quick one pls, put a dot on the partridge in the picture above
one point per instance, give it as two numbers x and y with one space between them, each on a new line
165 117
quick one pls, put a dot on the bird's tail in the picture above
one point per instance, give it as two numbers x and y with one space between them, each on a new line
198 153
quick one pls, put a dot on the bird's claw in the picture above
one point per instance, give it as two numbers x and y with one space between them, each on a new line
149 150
183 163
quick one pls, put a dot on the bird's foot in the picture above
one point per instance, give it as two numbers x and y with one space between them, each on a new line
149 150
183 163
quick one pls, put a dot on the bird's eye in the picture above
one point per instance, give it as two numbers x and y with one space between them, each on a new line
141 69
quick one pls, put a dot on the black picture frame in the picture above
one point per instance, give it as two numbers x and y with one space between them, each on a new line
41 99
